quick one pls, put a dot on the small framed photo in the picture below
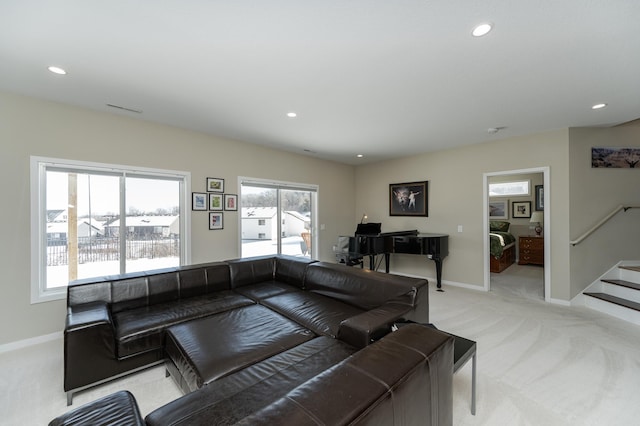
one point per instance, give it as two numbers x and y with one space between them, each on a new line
215 185
499 209
215 201
215 220
521 209
198 201
409 199
230 202
539 197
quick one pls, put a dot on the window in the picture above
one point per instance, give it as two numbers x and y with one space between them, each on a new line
504 189
277 217
77 228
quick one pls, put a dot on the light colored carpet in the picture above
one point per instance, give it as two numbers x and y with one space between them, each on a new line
521 281
538 364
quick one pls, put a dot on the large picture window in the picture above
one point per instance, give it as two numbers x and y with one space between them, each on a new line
286 210
91 220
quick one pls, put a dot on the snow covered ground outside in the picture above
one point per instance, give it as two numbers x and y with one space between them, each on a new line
58 276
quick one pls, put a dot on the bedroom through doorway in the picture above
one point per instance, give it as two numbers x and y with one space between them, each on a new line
516 233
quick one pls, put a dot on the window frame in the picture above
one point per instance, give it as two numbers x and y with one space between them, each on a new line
38 168
281 185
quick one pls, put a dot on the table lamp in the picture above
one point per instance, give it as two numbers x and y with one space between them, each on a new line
538 219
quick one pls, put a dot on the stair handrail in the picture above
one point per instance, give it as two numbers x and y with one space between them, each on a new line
602 222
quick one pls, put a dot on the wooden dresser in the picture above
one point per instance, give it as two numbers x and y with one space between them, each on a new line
531 250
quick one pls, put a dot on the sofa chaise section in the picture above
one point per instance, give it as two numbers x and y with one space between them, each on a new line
116 325
404 378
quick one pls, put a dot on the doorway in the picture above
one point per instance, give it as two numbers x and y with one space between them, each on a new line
521 219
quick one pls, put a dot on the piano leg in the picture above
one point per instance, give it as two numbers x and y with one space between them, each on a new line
439 273
387 257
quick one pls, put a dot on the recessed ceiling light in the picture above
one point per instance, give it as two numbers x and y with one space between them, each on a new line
481 30
598 106
360 155
57 70
292 115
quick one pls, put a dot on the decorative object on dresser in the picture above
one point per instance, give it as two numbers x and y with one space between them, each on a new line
531 250
537 218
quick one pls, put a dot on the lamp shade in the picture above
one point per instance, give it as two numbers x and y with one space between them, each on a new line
537 217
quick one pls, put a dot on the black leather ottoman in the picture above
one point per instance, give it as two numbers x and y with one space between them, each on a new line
117 409
206 349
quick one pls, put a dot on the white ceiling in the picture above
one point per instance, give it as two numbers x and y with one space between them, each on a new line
384 78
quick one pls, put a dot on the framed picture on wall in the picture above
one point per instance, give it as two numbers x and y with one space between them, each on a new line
215 220
521 209
408 199
215 201
499 209
230 202
539 197
215 185
198 201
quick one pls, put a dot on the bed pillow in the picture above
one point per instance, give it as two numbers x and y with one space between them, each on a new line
498 225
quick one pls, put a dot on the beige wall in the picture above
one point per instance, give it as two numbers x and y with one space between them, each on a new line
456 198
595 192
33 127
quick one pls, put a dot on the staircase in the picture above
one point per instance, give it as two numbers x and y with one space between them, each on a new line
617 293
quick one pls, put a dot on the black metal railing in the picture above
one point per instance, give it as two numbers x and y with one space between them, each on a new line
103 249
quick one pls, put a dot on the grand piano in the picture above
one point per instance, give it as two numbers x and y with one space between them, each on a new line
369 241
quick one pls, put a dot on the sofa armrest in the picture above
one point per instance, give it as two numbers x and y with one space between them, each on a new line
362 329
89 338
87 315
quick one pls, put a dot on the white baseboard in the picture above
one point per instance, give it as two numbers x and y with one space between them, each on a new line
30 342
433 281
560 302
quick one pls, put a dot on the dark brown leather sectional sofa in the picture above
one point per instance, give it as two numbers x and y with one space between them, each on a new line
268 340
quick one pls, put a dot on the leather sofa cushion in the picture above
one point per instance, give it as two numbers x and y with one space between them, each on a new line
251 270
142 329
261 291
119 408
218 345
364 288
291 270
402 379
231 398
318 313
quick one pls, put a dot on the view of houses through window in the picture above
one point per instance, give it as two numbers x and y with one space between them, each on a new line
277 219
86 237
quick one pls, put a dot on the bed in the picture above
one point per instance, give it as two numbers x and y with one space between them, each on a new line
502 246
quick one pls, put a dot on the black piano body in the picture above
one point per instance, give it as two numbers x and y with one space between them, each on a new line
369 241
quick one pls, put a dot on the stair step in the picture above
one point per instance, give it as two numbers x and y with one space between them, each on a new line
631 268
616 300
623 283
